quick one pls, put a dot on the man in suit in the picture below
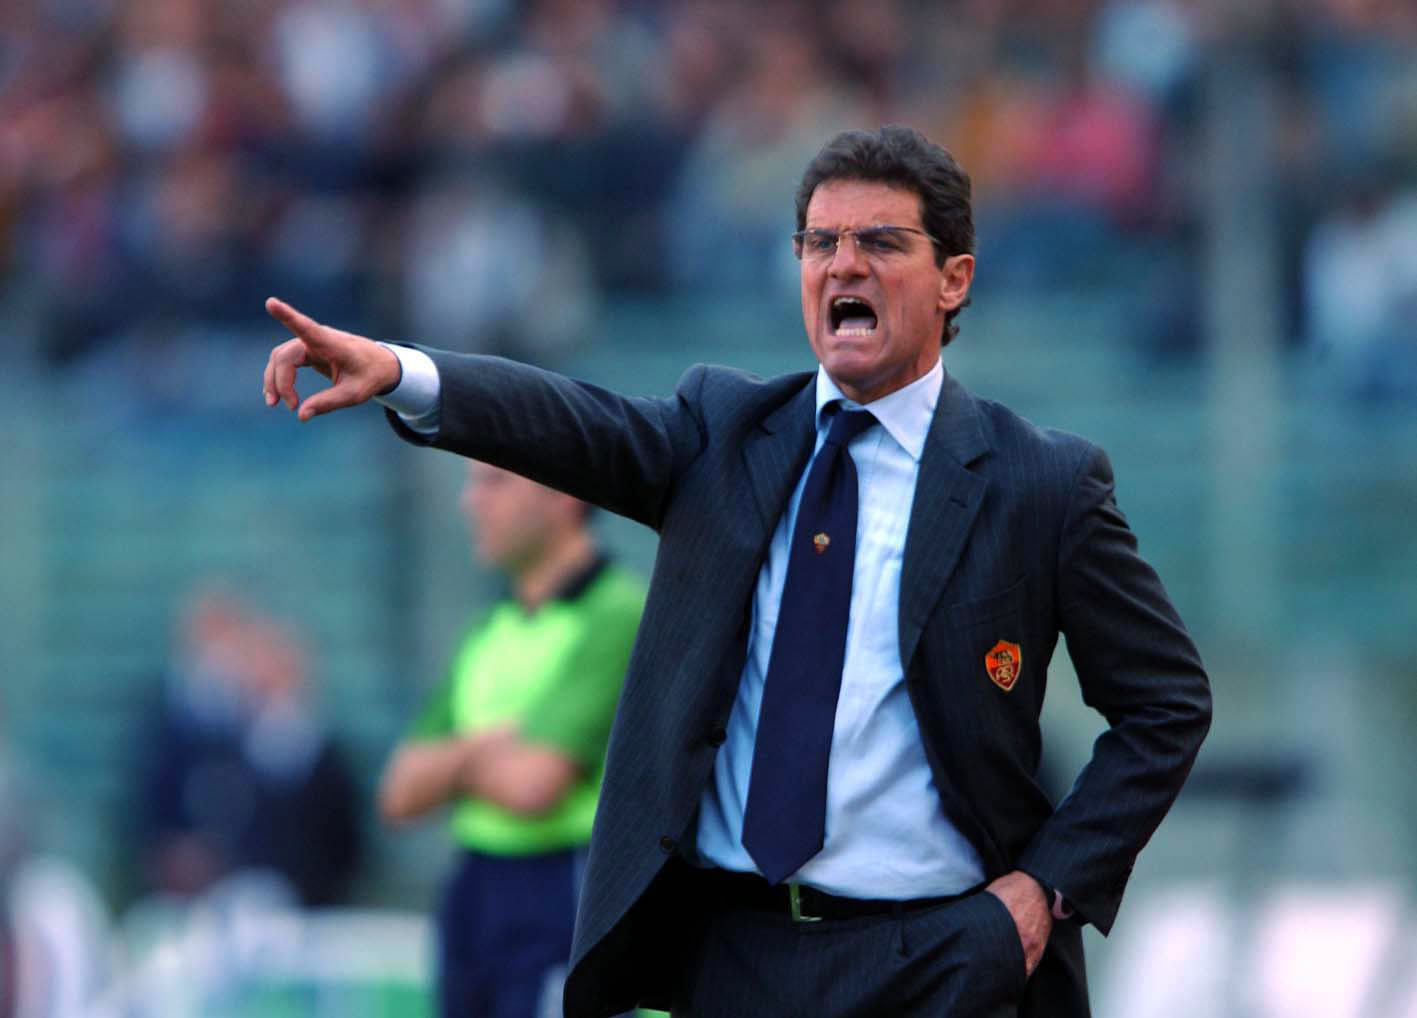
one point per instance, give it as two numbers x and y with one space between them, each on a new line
820 793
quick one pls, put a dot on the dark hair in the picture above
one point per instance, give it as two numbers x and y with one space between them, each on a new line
904 158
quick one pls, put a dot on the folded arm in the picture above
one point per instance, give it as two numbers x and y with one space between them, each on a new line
496 765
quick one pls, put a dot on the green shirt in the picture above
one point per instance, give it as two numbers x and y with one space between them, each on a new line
555 675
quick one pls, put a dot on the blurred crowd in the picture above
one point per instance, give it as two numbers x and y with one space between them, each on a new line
480 173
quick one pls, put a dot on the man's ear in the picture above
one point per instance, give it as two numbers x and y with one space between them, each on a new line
572 509
955 277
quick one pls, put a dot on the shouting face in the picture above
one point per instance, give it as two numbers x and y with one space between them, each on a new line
874 299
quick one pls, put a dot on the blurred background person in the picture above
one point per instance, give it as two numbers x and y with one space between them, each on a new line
236 772
514 740
306 815
1360 277
194 733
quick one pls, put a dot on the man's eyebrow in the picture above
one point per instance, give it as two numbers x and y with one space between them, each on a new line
871 225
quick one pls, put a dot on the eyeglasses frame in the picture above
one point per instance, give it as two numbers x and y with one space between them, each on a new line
800 236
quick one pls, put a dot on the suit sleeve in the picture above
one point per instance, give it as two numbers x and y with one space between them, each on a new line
1137 667
620 453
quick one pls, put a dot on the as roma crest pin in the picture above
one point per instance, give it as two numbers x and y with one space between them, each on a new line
1004 663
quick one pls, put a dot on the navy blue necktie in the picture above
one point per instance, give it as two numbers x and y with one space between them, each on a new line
784 823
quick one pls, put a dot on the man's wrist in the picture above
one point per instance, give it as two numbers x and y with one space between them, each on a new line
1057 904
398 372
415 397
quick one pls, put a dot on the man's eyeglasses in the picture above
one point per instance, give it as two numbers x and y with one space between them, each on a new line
819 245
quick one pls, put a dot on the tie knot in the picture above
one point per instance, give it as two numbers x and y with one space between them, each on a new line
847 424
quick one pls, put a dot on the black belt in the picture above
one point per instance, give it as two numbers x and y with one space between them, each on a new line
726 889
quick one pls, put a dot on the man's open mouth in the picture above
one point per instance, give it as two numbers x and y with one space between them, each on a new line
852 316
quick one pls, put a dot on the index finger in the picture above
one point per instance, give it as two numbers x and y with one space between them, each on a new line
302 325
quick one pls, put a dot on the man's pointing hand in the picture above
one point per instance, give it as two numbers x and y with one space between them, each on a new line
359 368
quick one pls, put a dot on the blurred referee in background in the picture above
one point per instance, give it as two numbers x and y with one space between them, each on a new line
514 739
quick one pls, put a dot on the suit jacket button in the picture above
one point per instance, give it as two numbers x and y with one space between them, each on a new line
667 845
717 737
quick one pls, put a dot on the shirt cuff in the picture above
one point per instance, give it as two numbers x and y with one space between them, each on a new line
416 399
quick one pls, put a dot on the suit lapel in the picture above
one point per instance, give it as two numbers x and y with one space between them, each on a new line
776 453
947 499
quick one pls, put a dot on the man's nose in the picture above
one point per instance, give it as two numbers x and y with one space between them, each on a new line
847 259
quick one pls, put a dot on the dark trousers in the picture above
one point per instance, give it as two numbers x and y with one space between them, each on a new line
962 959
504 935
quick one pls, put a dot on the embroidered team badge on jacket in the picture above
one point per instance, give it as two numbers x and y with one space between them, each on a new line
1004 663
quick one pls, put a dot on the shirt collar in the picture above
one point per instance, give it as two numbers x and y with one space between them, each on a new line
905 414
571 587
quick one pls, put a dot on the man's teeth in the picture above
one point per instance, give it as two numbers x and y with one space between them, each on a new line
856 319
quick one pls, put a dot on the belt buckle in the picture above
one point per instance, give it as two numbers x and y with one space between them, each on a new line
794 898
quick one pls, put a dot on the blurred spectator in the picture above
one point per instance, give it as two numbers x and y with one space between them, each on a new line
1080 167
490 272
726 224
515 741
696 67
866 43
196 725
1147 46
335 64
1096 147
305 823
1360 273
187 229
575 66
236 772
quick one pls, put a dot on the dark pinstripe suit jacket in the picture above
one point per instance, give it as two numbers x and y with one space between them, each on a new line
1014 535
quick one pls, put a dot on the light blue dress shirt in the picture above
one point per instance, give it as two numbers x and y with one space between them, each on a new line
886 834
